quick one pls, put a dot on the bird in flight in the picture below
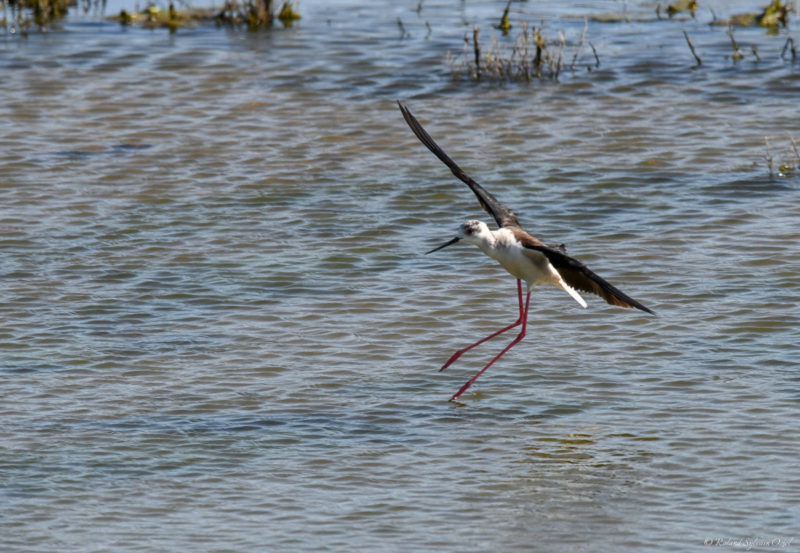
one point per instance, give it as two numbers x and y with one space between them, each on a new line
524 256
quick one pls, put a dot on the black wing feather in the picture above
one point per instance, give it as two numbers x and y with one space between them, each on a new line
501 213
580 277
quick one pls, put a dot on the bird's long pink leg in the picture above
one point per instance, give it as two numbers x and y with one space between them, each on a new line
519 321
515 341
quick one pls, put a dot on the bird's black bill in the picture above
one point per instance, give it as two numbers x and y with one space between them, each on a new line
450 243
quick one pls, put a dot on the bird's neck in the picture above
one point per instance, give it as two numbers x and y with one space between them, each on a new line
491 242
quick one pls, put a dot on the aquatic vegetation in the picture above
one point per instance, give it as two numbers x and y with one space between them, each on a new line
505 24
681 6
288 14
529 56
737 52
789 47
691 47
254 14
790 165
773 16
41 13
611 18
154 17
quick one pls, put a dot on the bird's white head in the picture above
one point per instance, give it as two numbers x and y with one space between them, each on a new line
472 232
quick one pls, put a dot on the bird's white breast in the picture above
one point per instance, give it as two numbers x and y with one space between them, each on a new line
525 264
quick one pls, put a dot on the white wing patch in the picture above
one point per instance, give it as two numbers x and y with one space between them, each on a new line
572 292
558 280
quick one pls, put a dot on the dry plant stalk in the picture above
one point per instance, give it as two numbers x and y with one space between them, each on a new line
770 160
794 147
691 47
789 45
737 52
580 42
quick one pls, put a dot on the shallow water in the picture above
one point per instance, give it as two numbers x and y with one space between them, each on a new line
219 331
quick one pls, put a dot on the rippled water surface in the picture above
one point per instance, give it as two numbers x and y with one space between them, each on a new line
219 332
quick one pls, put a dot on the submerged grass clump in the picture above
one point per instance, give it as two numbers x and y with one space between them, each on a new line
790 166
256 13
530 55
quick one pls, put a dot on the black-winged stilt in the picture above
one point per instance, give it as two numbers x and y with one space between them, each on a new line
524 256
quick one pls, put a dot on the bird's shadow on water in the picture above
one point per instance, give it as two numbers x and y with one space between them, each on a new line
476 405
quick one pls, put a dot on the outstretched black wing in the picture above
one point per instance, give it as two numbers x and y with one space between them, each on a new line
580 277
502 214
